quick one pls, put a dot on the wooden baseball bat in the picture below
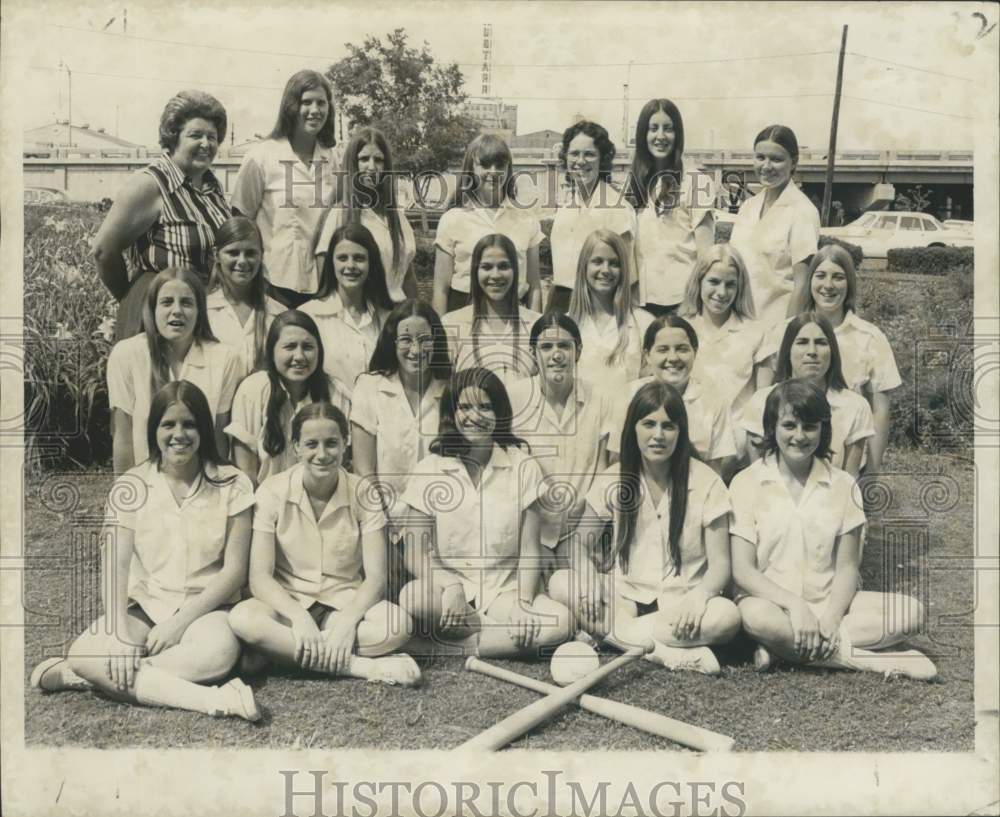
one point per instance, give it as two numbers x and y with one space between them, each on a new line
686 734
515 725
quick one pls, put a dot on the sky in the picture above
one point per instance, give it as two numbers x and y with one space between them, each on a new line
914 75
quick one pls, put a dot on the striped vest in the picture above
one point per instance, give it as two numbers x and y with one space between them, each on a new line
184 233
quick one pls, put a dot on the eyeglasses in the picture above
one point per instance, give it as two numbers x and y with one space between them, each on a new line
404 344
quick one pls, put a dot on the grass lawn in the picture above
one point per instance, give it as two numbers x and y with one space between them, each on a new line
788 709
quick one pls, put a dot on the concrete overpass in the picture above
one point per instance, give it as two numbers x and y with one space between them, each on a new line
863 178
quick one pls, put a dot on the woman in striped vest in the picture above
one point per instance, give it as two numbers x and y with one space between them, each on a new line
167 214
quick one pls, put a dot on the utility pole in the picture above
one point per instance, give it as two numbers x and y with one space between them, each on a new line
832 152
626 95
69 122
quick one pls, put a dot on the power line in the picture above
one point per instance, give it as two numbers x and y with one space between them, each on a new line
215 47
676 98
907 107
911 67
190 83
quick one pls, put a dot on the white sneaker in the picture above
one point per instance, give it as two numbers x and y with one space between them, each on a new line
398 669
693 659
237 701
55 675
908 664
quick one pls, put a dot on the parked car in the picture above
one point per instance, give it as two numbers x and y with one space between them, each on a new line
878 232
961 225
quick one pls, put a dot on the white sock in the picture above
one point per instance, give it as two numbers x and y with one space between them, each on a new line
155 687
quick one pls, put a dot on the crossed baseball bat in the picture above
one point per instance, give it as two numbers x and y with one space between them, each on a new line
516 724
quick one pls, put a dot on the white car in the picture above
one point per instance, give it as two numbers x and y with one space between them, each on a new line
878 232
961 225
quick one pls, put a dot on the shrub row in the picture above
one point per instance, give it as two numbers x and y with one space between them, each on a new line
931 260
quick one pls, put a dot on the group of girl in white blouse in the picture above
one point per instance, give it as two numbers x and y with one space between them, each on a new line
476 471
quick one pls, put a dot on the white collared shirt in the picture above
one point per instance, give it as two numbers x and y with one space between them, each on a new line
727 356
402 438
286 199
317 559
866 358
178 548
576 219
213 367
771 246
710 428
378 226
795 540
665 246
651 570
850 419
226 326
598 344
565 447
477 528
498 353
249 420
460 229
347 344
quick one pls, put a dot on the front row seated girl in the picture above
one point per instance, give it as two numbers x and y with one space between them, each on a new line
795 533
663 575
176 543
318 565
471 539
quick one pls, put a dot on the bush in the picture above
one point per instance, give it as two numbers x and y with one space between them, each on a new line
931 260
857 254
68 332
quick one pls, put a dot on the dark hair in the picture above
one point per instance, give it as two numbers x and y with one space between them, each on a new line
291 101
193 399
668 322
375 290
356 195
555 319
320 410
651 397
450 442
780 135
511 310
842 258
241 228
384 360
490 150
317 384
808 403
645 171
159 368
605 147
184 107
834 376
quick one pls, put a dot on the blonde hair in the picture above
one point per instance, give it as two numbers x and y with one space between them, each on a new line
725 254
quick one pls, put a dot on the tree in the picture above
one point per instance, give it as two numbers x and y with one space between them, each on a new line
915 199
401 91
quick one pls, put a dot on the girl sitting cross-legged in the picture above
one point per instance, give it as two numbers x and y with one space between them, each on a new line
318 565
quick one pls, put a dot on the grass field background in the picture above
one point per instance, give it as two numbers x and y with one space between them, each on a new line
920 541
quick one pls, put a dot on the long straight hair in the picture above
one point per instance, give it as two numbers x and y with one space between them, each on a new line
510 308
834 376
725 255
450 442
842 258
650 398
291 101
374 289
381 198
645 172
384 360
489 150
317 384
159 368
241 228
581 303
194 400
